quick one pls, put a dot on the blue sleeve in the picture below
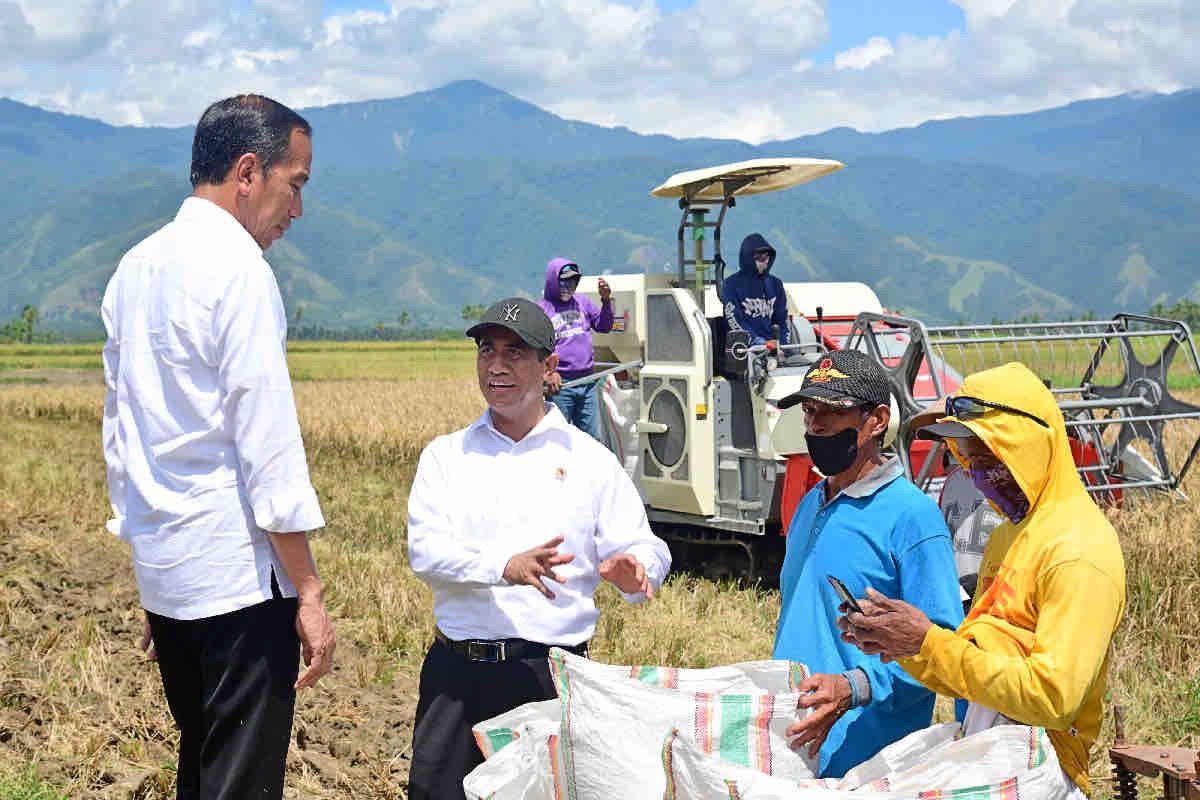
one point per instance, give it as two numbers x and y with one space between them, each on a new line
780 315
929 581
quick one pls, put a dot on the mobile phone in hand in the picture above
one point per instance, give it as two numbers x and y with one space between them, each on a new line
844 593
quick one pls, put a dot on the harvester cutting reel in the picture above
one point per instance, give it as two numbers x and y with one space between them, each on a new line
1113 380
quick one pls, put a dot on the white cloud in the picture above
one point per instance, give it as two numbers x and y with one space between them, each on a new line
15 32
202 37
864 55
741 68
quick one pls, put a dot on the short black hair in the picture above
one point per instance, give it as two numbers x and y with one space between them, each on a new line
247 123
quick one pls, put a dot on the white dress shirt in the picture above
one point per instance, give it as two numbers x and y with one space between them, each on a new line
479 498
201 439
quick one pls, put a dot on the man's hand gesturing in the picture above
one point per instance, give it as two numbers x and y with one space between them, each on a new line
531 566
627 573
604 290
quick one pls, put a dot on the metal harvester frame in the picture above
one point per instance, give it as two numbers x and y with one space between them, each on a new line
1110 378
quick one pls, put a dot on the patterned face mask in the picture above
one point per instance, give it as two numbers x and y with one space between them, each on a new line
998 485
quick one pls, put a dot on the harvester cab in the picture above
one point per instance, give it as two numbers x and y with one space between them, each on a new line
696 418
692 408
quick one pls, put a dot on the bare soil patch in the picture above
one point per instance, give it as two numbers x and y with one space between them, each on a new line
79 700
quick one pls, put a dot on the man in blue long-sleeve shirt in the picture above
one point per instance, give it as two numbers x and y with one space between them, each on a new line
867 525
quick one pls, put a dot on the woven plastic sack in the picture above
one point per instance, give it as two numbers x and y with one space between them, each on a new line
1002 763
612 730
901 755
521 770
530 719
990 760
748 677
690 774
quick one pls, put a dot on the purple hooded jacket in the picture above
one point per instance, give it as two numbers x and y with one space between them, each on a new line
573 322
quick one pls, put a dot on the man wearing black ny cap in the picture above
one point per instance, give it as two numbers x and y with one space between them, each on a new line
499 513
868 526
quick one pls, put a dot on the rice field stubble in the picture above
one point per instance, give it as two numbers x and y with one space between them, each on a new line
82 713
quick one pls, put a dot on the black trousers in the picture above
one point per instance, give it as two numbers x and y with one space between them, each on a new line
229 682
456 693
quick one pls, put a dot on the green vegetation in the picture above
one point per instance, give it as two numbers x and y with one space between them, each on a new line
473 313
394 246
1185 311
24 784
22 328
380 361
307 360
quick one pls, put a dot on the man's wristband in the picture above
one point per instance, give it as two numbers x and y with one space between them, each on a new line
860 687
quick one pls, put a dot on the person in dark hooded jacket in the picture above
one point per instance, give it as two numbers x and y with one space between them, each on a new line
574 318
754 298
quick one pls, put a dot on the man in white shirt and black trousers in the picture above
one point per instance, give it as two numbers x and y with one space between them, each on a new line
206 469
513 521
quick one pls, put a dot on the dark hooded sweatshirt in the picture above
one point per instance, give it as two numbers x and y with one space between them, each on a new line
753 302
573 322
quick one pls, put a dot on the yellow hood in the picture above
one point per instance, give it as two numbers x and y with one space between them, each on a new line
1039 458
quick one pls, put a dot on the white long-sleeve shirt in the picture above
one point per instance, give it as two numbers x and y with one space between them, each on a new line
201 440
479 498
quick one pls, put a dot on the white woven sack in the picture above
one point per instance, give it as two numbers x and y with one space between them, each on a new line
748 677
530 719
689 774
901 755
522 770
999 764
612 731
988 762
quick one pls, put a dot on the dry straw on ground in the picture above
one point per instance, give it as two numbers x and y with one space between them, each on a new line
79 703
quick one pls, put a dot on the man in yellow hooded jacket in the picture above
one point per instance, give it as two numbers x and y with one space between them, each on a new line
1034 646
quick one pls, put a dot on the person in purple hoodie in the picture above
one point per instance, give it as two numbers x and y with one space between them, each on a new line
574 320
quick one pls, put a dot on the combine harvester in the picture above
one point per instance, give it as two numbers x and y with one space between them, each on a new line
693 409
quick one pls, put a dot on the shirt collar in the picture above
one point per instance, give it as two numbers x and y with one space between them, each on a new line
552 420
873 481
206 212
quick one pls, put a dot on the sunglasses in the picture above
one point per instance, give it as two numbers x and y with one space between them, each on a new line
973 408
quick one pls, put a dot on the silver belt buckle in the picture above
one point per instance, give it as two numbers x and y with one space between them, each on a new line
485 651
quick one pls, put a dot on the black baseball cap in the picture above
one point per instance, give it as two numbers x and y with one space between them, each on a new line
523 317
844 378
569 270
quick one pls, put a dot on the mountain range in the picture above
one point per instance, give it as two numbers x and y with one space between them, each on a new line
422 204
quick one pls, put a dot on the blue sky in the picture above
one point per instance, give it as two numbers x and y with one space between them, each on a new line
851 22
748 69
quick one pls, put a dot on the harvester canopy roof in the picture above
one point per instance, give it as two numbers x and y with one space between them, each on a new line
756 176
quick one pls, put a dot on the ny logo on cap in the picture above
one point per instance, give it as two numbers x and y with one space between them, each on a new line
510 312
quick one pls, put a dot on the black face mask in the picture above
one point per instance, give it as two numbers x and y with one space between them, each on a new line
833 454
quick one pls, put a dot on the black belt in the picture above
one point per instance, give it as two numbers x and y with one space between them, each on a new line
492 651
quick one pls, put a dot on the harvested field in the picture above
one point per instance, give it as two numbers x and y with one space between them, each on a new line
82 713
